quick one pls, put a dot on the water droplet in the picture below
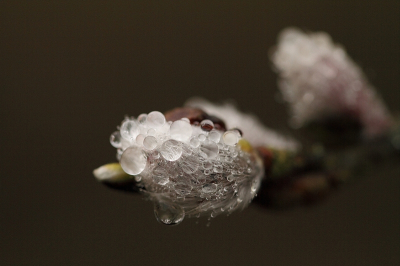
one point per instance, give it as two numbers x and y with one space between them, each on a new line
231 178
207 171
218 168
142 119
185 119
230 138
209 149
115 139
171 150
129 130
150 143
194 142
164 129
155 119
202 137
207 125
181 130
168 213
209 188
238 131
133 160
207 165
214 135
140 139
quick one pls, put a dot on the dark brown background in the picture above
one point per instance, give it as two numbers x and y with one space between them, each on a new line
70 71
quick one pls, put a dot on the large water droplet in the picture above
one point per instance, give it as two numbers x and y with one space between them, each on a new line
230 137
129 130
181 130
168 213
133 160
155 119
171 150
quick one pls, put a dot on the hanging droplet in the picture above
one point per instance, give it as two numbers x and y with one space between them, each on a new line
171 150
133 160
115 139
155 119
181 130
168 213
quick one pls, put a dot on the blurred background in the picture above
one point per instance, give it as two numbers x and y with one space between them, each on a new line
71 70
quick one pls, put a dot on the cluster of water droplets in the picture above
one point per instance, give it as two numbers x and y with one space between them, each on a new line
187 170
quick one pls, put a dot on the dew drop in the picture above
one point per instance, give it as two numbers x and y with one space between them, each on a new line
151 132
209 188
209 149
133 161
214 135
155 119
150 143
115 139
168 213
207 125
142 119
231 178
129 130
218 169
185 119
171 150
181 130
230 137
194 142
202 137
140 139
207 165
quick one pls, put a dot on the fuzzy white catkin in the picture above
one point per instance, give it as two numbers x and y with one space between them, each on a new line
185 170
319 80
